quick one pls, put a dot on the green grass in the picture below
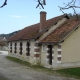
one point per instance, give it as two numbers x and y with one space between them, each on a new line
27 64
18 61
70 72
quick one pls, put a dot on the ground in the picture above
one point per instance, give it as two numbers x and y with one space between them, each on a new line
14 71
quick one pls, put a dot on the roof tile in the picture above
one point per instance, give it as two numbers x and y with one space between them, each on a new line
62 31
33 30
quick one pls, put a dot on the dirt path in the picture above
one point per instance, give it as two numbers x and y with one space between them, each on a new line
14 71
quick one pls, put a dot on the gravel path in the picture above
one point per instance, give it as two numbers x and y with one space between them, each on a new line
14 71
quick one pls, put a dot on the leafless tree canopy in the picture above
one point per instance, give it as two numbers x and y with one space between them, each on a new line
5 3
40 3
69 5
3 43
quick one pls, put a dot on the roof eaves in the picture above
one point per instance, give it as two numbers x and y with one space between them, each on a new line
50 43
20 40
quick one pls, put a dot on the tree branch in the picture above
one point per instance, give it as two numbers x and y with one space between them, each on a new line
72 5
4 4
41 3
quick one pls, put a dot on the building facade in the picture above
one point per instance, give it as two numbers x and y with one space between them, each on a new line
53 43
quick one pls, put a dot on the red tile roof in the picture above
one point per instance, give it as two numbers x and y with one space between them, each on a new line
33 30
61 32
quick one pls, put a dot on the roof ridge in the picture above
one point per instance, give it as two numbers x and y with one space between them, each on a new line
31 25
55 17
33 31
46 20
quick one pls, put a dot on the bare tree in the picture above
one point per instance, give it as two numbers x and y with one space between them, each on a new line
3 43
40 3
5 3
70 5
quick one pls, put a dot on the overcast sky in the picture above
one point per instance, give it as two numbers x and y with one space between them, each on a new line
19 14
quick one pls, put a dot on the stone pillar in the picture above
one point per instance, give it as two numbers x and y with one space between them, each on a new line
59 53
36 52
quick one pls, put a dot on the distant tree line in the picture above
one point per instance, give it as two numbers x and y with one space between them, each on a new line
3 43
7 36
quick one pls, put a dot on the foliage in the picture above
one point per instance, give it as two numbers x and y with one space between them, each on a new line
3 43
74 72
74 16
7 36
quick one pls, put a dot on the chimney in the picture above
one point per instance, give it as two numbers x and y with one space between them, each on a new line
42 19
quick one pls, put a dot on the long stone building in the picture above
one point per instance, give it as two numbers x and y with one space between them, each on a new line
54 43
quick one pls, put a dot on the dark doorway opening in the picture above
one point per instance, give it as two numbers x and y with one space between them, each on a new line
50 54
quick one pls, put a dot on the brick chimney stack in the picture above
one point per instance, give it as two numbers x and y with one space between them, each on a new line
42 19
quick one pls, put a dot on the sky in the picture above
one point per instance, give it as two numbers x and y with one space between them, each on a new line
18 14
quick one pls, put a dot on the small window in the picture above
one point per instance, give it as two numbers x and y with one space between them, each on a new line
28 49
10 47
10 44
43 48
21 48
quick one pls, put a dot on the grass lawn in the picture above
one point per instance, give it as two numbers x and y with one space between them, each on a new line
36 67
69 72
72 72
